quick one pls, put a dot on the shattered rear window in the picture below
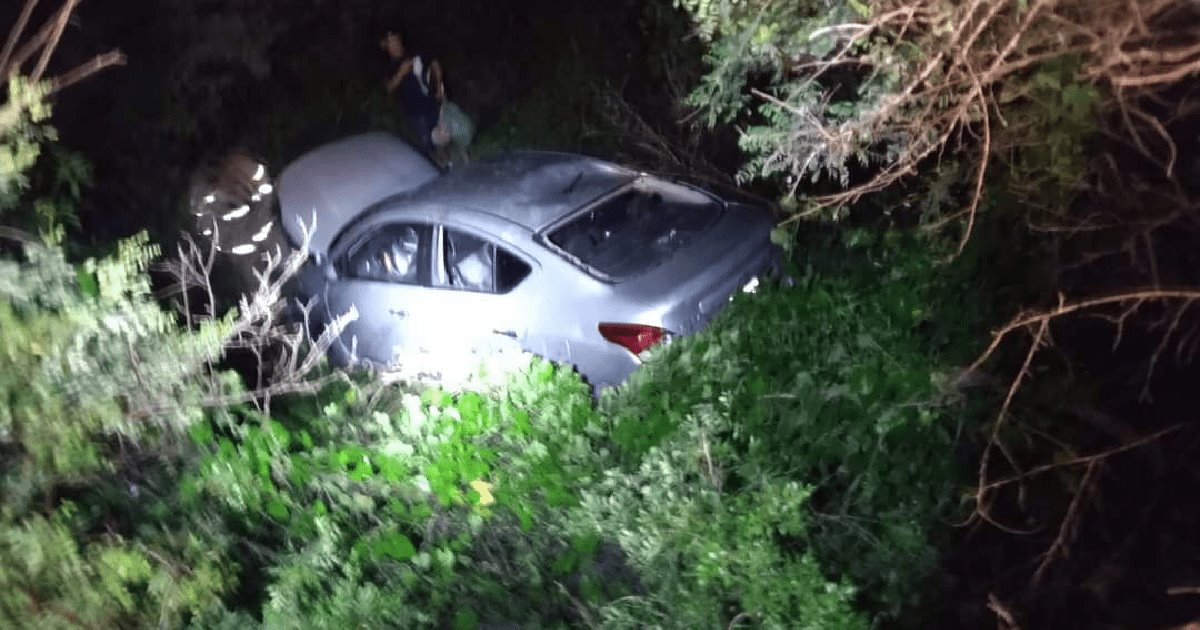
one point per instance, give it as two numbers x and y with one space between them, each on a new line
637 229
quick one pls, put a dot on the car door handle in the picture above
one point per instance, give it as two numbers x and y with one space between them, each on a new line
399 314
506 333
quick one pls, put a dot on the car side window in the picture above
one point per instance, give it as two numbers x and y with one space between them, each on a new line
475 264
395 253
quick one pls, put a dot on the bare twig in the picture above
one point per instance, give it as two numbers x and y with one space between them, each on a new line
1087 459
1004 617
1064 308
44 39
981 495
14 35
59 23
86 69
257 327
1070 522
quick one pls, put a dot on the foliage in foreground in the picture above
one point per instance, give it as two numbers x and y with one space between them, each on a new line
790 465
782 466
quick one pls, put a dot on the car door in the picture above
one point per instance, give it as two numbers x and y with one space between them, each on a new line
383 274
476 304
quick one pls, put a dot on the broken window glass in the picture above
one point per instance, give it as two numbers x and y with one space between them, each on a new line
475 264
393 254
638 229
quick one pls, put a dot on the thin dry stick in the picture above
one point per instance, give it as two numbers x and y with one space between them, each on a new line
15 34
981 170
981 493
86 69
35 43
1066 529
1086 459
1062 309
60 23
1162 344
1003 614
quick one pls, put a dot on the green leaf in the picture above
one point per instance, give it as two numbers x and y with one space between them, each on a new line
88 283
585 544
1047 79
544 372
391 469
281 434
1079 98
469 406
396 545
565 563
466 619
591 590
300 473
861 9
201 433
362 471
277 509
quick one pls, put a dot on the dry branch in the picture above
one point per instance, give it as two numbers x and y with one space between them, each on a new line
56 29
16 53
973 48
1137 296
1037 324
14 35
258 326
1070 522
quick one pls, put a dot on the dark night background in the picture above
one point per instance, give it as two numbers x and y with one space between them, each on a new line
277 77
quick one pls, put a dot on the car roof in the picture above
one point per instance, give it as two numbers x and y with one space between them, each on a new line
532 189
340 179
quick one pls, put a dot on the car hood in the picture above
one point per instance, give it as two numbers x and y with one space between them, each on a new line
332 184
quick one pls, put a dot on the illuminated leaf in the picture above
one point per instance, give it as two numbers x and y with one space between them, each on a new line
485 491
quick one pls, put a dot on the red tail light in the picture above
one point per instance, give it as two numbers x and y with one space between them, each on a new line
636 338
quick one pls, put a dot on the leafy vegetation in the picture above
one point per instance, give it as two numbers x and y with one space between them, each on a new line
167 501
802 462
1034 131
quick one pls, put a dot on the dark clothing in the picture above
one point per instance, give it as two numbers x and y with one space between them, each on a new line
419 101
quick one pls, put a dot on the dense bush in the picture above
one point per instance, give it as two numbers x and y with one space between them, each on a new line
790 464
837 384
678 502
758 472
427 509
98 389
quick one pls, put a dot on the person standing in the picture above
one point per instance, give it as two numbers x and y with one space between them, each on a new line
418 81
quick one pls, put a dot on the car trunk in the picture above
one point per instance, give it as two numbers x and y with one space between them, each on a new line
698 280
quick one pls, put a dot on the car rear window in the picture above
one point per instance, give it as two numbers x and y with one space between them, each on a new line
637 229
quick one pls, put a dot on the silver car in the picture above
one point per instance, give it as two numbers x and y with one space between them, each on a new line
567 257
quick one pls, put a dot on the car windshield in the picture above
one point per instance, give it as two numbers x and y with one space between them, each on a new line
637 229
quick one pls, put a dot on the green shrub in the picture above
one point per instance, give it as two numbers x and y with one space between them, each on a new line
713 549
786 467
833 385
406 505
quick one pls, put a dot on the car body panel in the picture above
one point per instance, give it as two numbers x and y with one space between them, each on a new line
513 202
336 181
528 188
704 276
